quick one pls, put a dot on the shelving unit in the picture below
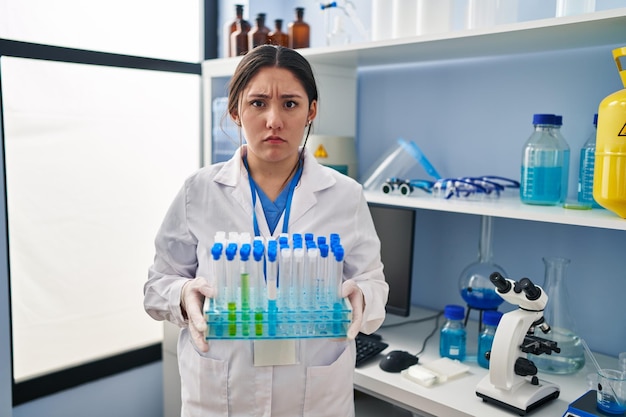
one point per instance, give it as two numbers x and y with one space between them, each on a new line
338 65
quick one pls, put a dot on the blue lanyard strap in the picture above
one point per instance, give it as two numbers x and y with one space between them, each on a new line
253 191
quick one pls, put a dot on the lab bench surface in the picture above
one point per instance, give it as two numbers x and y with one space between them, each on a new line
456 397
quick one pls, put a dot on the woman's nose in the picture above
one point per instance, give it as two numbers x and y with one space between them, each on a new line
274 118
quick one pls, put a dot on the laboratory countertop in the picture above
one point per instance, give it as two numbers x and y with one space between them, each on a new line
456 397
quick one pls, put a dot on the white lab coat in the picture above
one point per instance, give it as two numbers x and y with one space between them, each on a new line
224 382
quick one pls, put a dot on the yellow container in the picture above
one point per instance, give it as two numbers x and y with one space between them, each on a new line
609 177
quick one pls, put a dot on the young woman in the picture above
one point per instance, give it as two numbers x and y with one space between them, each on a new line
271 185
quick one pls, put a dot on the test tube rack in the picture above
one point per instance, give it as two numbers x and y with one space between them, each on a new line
323 322
288 288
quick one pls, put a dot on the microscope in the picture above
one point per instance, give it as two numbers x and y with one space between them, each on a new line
512 382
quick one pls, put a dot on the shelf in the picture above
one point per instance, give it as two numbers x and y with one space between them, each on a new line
507 207
570 32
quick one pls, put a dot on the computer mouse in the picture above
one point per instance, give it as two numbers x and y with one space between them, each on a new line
397 360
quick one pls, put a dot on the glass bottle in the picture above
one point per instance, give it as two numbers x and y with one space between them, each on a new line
239 40
452 335
543 164
491 318
338 36
299 31
474 284
258 34
558 316
587 165
230 28
277 36
558 122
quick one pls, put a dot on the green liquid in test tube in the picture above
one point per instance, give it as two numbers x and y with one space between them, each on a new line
244 256
258 285
231 274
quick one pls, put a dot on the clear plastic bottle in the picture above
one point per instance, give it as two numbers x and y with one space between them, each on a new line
299 31
277 36
491 318
452 336
258 34
338 36
545 163
587 165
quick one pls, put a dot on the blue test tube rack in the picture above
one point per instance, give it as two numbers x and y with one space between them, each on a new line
315 308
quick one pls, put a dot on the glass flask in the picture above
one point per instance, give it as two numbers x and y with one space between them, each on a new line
557 315
299 31
476 288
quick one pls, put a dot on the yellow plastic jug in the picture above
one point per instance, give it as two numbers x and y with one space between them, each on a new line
609 175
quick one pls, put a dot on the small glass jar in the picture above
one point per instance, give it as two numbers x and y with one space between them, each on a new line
491 318
452 336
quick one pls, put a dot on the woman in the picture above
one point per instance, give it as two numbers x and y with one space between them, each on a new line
273 99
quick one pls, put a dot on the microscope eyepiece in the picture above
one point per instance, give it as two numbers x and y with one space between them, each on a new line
532 291
501 283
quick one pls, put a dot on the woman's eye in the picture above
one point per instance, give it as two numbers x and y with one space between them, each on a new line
256 103
291 104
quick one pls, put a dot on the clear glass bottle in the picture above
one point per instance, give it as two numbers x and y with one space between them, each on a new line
558 316
231 27
543 164
338 36
452 336
587 165
491 318
299 31
558 123
277 36
258 34
474 284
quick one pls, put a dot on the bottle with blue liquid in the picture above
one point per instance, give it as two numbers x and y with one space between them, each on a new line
545 163
491 318
587 165
452 336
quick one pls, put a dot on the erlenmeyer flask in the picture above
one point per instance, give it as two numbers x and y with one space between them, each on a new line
476 288
563 330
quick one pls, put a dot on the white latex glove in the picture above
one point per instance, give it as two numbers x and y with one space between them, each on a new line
355 296
191 301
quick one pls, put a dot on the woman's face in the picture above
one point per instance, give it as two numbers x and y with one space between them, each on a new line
273 113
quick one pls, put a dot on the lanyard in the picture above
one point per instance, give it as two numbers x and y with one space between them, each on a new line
253 190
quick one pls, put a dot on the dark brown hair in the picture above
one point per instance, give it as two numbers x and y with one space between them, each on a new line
264 56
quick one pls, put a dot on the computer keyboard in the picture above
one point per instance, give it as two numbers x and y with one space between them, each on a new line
368 347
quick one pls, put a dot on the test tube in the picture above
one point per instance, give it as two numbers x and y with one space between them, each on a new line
337 279
231 294
213 305
284 280
297 273
272 276
323 277
312 277
244 285
257 282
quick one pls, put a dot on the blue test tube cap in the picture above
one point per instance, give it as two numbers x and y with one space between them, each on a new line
257 252
244 252
321 240
338 251
323 250
308 237
272 251
231 251
216 251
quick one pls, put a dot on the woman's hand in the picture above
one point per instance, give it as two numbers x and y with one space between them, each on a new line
355 296
191 301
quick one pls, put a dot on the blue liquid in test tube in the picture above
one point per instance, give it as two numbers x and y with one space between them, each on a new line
217 275
272 275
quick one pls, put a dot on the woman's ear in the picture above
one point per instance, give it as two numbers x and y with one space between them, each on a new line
312 111
235 118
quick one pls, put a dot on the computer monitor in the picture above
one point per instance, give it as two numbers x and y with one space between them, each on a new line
395 227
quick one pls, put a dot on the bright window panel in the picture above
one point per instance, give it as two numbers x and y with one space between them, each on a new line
165 29
94 157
